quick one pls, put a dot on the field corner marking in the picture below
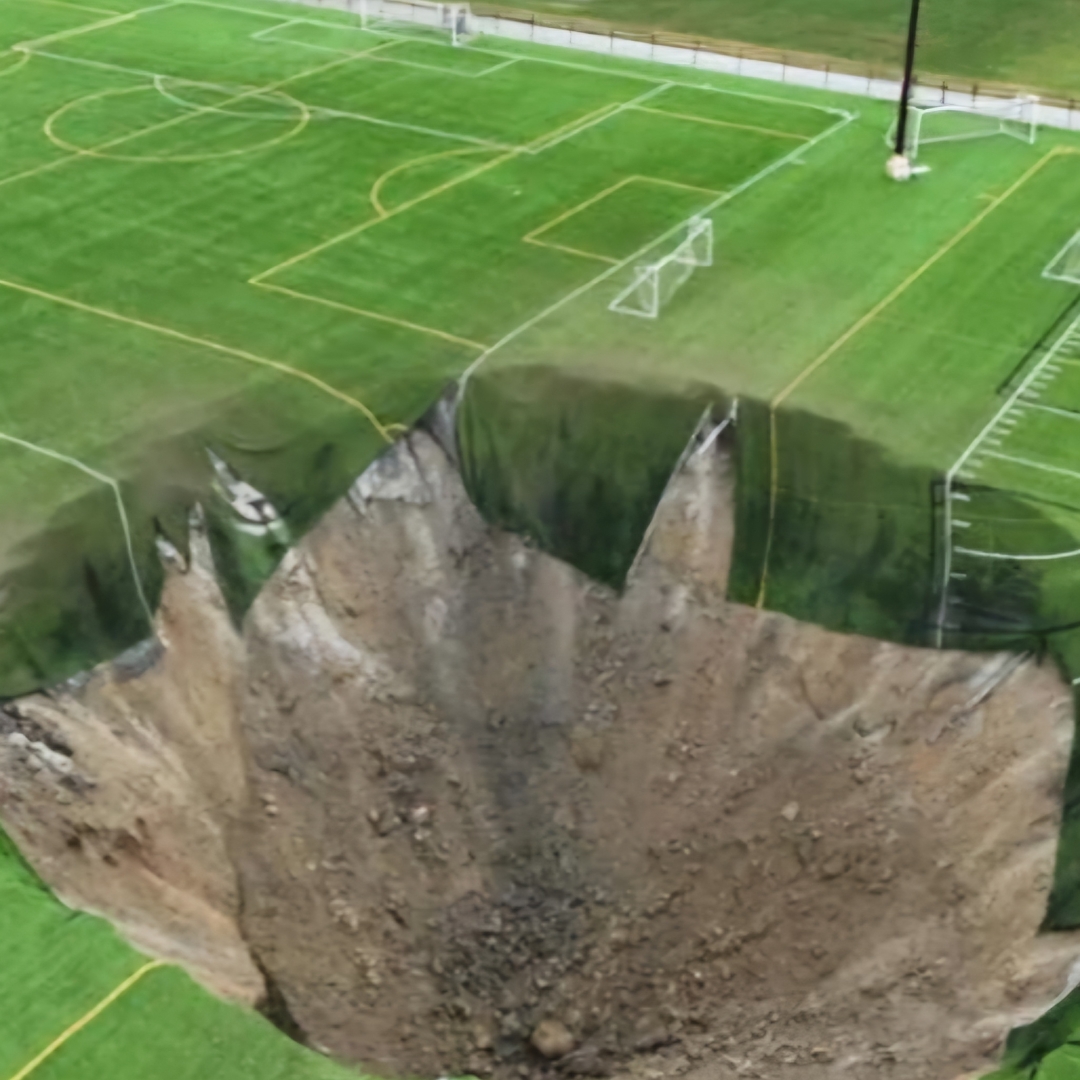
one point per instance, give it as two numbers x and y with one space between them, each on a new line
88 1017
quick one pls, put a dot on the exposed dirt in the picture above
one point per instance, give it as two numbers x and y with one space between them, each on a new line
471 812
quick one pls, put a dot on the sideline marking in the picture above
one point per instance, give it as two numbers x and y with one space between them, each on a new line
89 1017
124 522
610 73
861 324
206 343
267 35
724 123
532 237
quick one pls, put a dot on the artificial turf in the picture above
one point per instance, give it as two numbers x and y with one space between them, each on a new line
270 233
274 234
79 1002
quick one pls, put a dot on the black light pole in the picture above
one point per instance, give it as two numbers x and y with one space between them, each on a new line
909 79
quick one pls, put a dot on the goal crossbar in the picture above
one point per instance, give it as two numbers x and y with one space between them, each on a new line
453 18
955 122
654 284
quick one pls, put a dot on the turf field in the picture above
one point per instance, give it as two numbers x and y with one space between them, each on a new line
79 1002
1035 44
267 232
279 236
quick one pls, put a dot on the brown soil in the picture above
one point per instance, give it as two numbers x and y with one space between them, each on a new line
447 792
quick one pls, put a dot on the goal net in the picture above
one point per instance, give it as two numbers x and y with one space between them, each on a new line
928 124
454 19
1065 266
654 284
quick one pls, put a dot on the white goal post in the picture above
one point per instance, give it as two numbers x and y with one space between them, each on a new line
455 19
655 283
952 122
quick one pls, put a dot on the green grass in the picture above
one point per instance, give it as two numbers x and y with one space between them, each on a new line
270 233
1035 44
58 967
249 228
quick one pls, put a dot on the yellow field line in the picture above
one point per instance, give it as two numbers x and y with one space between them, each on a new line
376 188
571 251
94 150
23 58
443 334
77 30
302 111
861 324
259 278
723 123
206 343
87 1018
533 237
566 215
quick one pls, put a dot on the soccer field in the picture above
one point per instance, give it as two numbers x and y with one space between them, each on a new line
262 240
279 236
272 234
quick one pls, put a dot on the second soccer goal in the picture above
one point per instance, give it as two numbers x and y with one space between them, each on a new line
655 283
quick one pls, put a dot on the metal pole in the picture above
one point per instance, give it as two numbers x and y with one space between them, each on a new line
909 78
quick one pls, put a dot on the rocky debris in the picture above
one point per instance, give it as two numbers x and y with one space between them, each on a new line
552 1039
456 795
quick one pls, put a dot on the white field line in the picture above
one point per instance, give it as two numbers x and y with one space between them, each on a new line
551 61
540 146
1016 558
1068 414
645 249
264 37
120 509
315 110
1015 401
1033 464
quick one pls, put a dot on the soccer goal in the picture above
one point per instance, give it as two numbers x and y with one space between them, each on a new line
654 284
928 124
454 19
1065 266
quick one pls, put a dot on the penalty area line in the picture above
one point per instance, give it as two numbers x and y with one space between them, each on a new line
125 524
600 278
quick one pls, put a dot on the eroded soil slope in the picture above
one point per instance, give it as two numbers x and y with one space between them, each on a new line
458 803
